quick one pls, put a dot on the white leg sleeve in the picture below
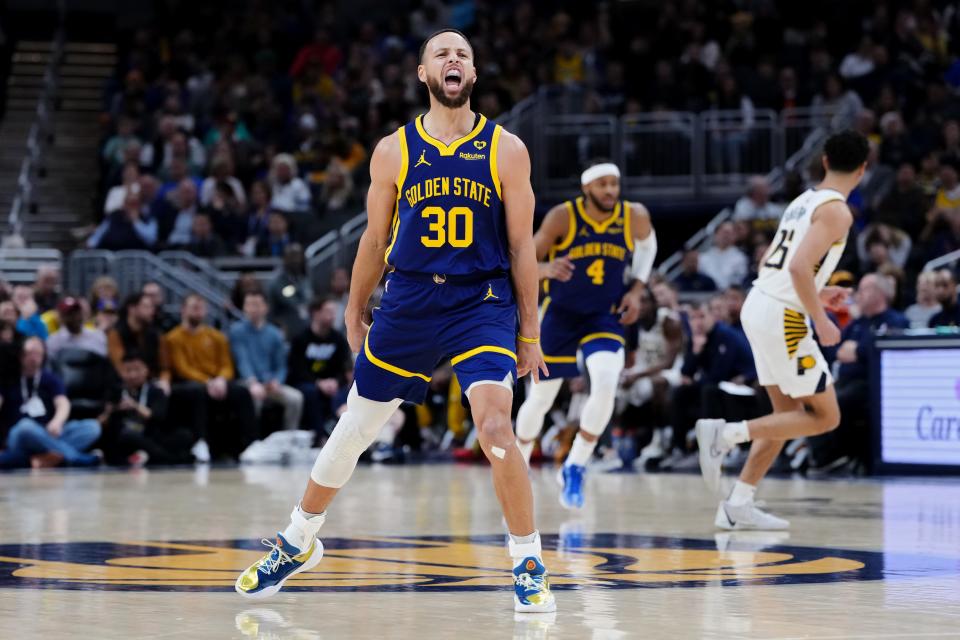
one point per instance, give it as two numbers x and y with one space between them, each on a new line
540 398
355 431
604 368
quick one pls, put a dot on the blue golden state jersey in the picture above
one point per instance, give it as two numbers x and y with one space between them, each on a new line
601 252
449 217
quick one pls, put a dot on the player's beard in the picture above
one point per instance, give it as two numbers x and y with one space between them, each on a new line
599 205
436 90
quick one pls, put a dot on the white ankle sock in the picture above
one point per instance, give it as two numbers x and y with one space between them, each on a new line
736 432
522 547
303 527
581 451
526 450
742 493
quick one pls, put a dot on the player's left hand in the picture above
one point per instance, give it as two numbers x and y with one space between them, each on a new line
530 360
834 296
629 308
847 353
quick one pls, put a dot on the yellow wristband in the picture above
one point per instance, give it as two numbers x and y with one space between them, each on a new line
528 340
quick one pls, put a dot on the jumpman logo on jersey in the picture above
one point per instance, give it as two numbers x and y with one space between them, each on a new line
422 160
490 294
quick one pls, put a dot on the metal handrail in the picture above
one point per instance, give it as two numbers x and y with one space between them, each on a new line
942 261
39 135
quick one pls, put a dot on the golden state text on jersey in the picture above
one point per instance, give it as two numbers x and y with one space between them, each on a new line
449 217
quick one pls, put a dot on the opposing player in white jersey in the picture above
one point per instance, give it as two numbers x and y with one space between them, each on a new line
788 293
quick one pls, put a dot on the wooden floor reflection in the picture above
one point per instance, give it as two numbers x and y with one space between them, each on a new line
418 551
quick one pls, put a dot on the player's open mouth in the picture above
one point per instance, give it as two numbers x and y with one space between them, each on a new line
452 79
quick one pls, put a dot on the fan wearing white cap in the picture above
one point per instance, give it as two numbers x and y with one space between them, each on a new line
596 253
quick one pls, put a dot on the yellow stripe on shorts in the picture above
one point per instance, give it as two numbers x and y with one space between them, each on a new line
795 329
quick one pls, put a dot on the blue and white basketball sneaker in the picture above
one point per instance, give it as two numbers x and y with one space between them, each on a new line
266 576
532 587
571 485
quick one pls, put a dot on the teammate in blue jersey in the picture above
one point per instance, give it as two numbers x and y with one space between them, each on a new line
599 251
450 214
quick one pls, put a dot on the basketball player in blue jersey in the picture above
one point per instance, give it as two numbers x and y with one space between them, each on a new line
600 250
450 212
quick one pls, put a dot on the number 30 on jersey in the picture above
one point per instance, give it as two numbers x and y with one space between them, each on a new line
453 227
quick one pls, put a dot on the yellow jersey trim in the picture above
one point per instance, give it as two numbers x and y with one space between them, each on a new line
560 359
597 336
571 230
598 226
627 225
484 349
401 178
387 366
543 308
494 172
447 149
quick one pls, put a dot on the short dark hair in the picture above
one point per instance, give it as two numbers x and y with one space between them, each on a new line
254 292
132 355
846 151
317 303
423 47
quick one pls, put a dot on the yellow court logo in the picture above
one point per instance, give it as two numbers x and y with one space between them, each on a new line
442 563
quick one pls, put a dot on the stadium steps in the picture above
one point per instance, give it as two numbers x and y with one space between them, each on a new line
63 197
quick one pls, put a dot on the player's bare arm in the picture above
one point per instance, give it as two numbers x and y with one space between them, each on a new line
629 308
369 265
513 165
552 230
829 224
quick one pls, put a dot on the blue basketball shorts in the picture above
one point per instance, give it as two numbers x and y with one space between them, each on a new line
564 333
424 320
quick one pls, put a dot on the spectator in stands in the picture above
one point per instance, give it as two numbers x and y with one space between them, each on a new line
247 282
257 217
896 147
114 148
136 331
690 280
136 430
221 171
229 219
204 241
36 411
945 285
905 203
73 334
873 297
339 293
723 261
164 320
320 364
277 239
125 228
105 315
756 205
878 244
29 322
926 306
117 195
261 356
176 228
290 192
203 369
289 293
11 341
714 354
734 297
46 287
103 288
876 182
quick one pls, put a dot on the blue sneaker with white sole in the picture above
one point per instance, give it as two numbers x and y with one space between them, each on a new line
532 587
266 576
571 485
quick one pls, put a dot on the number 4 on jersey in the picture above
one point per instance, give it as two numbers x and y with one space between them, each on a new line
595 271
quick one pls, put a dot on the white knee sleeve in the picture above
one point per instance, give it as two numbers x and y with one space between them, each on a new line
540 398
355 431
604 368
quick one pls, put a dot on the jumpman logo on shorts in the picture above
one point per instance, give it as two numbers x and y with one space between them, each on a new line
422 160
490 294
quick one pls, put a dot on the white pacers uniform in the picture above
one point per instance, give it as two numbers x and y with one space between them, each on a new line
652 349
773 317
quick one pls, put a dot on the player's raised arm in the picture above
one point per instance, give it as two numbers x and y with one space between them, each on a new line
513 163
368 266
555 226
830 223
